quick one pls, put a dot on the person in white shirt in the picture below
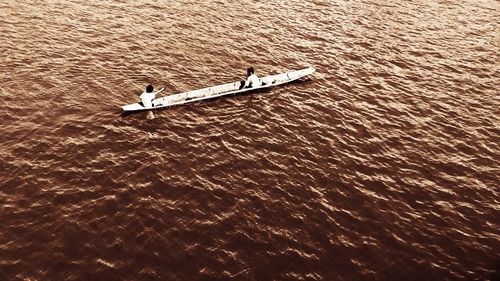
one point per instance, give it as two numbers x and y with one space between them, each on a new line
252 79
148 96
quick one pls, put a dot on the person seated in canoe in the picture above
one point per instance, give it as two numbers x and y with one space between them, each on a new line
252 79
148 96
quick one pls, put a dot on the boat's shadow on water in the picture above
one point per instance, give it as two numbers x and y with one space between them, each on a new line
303 81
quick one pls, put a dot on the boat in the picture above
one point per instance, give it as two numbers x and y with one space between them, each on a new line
219 91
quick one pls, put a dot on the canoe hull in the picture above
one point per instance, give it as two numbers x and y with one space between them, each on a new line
219 91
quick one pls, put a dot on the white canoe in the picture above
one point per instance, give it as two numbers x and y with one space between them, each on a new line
220 90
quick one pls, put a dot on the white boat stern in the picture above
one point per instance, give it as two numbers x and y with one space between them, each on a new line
132 107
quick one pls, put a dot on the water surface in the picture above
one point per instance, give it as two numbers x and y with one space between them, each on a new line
383 165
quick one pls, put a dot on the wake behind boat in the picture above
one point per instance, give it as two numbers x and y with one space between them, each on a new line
220 90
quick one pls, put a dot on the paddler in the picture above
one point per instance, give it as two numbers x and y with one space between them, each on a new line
252 80
148 96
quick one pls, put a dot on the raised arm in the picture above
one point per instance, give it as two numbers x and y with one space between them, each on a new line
159 91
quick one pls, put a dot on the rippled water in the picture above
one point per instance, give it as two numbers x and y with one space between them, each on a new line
383 165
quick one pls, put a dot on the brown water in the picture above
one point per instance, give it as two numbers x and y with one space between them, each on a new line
383 165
